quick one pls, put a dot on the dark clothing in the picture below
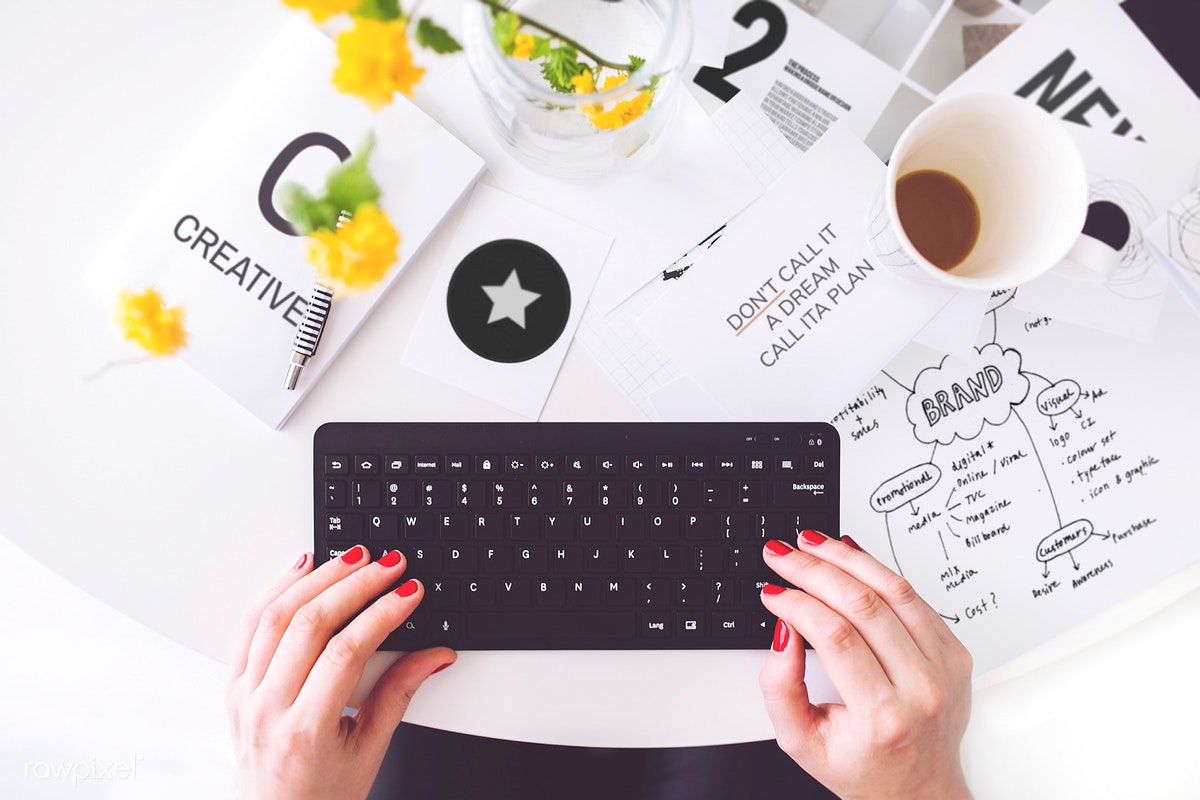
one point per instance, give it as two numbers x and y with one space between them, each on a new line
427 764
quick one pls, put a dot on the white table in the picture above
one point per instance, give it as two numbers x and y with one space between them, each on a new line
156 494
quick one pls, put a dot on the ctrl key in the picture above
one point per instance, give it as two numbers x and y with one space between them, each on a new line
729 624
344 527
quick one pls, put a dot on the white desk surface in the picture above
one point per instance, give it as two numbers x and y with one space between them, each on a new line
157 495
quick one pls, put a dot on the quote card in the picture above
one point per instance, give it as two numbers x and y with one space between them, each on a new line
504 308
791 315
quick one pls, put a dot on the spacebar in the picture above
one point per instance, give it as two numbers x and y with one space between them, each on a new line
552 625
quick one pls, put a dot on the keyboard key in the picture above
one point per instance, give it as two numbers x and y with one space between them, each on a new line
337 465
515 592
595 527
401 494
383 527
397 464
366 465
607 465
656 624
548 626
690 624
366 494
427 465
418 527
344 527
729 623
335 494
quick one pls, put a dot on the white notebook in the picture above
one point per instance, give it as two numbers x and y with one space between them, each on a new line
206 241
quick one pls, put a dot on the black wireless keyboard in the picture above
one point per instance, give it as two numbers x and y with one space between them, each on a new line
555 536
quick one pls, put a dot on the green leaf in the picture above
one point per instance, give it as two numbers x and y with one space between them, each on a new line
541 47
436 38
347 186
350 184
635 63
304 211
562 64
505 25
378 9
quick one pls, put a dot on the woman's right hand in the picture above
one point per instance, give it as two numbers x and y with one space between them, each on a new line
904 678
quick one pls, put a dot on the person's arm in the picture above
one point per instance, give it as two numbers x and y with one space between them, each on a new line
293 672
904 679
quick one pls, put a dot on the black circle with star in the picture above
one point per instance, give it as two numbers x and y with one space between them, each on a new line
470 306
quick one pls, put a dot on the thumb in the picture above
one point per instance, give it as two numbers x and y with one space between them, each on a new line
388 701
785 695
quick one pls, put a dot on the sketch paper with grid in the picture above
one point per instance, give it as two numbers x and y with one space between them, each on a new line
635 362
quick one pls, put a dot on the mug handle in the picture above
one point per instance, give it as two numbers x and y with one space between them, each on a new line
1089 260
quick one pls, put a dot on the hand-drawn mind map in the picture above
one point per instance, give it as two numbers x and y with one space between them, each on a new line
1020 498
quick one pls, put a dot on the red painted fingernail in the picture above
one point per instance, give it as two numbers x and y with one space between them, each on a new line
853 544
781 636
354 554
442 667
772 589
300 564
408 588
778 548
389 559
813 538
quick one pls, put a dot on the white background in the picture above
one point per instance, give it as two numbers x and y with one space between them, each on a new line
98 99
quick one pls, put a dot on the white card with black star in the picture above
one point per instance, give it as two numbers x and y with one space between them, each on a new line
505 305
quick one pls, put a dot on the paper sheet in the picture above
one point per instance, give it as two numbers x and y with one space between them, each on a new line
655 211
1142 181
783 320
1046 483
1087 63
1176 238
804 75
710 20
500 328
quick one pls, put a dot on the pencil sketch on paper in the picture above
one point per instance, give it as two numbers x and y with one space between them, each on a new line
1183 233
1011 494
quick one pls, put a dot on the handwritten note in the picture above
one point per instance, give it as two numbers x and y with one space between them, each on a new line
1033 484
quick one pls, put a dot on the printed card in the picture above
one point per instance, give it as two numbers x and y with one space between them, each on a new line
791 315
504 308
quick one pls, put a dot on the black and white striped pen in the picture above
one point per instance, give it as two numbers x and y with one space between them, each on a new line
308 335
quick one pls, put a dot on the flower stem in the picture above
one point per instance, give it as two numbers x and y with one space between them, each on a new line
495 5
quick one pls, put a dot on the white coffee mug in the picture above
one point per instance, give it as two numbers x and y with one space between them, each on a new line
1027 179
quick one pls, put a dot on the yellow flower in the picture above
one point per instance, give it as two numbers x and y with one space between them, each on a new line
523 46
585 83
145 319
374 61
321 10
620 114
357 255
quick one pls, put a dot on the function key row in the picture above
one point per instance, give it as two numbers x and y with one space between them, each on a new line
572 465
